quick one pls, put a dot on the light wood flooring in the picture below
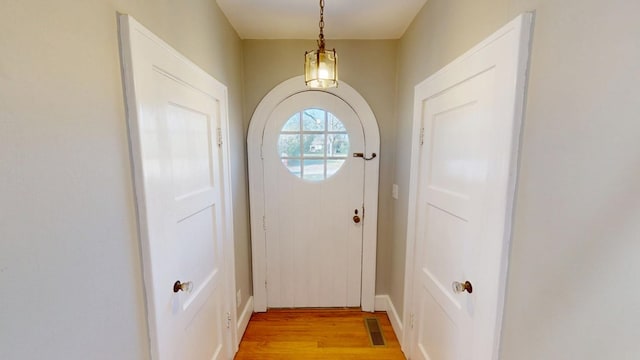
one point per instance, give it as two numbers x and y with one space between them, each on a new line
328 334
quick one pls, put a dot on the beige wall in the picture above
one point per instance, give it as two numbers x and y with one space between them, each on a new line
577 234
70 271
369 67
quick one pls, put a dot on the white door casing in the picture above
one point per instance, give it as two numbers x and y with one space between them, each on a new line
314 248
467 121
177 118
256 185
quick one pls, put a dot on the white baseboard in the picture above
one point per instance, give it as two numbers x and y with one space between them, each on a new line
383 303
245 316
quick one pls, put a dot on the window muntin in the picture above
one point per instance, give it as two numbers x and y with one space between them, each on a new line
313 144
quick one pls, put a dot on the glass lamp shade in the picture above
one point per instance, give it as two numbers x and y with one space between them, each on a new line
321 69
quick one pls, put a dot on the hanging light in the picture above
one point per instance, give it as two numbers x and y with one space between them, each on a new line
321 65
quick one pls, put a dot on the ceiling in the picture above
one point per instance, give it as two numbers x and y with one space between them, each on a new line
298 19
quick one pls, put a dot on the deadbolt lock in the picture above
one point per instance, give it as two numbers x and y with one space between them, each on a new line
356 218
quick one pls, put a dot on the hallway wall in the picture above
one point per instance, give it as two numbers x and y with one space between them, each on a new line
70 270
576 234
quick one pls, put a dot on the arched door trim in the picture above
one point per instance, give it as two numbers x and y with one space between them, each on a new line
256 185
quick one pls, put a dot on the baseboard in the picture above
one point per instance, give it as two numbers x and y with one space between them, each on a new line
384 303
245 316
381 302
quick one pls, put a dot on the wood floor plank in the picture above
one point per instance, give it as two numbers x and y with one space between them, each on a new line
328 334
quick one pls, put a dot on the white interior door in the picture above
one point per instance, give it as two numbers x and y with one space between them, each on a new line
469 118
314 188
449 234
176 113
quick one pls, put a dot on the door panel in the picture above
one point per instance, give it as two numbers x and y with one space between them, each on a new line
449 192
178 173
314 248
191 248
463 186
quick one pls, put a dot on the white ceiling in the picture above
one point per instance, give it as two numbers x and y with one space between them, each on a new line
298 19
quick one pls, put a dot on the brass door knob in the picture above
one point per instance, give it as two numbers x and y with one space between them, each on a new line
180 286
459 287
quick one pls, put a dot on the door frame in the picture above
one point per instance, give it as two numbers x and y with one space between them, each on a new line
131 54
259 120
515 78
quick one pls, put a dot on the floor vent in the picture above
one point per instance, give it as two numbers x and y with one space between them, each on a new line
375 332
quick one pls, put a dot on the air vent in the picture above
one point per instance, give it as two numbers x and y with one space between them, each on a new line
375 332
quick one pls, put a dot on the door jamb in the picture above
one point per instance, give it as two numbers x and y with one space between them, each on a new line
256 189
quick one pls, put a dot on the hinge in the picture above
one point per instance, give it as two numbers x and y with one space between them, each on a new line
411 321
422 136
228 320
219 131
261 151
264 223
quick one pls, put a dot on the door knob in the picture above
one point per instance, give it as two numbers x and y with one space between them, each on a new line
356 218
179 286
459 287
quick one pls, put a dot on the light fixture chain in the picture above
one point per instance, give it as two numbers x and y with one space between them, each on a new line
321 24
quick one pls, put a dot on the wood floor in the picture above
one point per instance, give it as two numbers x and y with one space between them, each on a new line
316 334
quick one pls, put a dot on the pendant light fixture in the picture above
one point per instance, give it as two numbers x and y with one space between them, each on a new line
321 65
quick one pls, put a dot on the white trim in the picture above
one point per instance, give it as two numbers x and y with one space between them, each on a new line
229 244
381 303
522 26
384 303
243 320
208 84
256 191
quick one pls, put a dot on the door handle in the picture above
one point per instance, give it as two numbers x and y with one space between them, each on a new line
459 287
182 286
361 155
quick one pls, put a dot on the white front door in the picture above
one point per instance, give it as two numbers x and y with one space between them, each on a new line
314 213
176 114
469 119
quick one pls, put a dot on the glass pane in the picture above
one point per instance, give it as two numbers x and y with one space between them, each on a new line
305 152
293 124
313 120
333 166
337 145
289 145
335 124
314 145
314 170
293 165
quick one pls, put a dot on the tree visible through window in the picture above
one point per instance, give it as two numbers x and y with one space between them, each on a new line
313 144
